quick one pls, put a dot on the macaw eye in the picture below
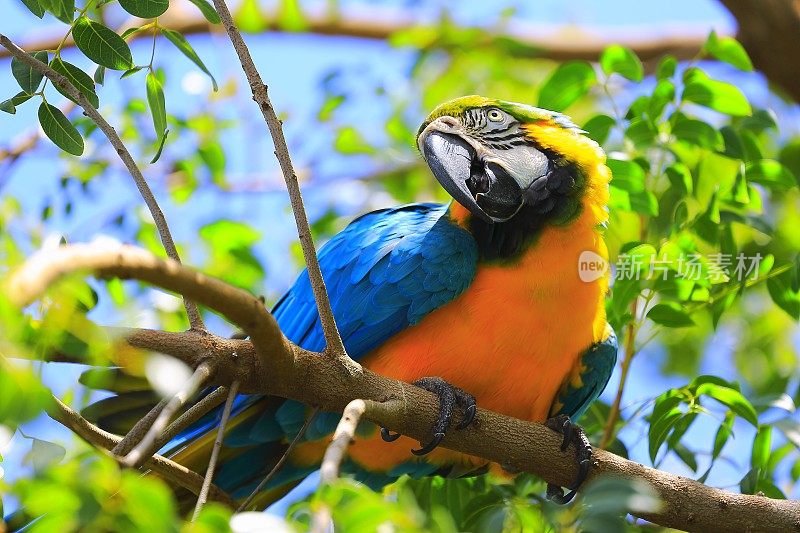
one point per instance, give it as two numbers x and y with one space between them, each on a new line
494 115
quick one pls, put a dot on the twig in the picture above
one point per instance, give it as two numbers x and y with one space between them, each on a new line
212 462
170 470
334 455
201 374
139 429
192 415
627 358
272 365
279 464
334 345
195 320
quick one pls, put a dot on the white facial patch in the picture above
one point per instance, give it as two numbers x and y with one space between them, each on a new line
523 163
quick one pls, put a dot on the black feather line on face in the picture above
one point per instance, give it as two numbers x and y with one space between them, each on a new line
555 198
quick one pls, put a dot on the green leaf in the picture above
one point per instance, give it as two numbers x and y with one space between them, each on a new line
350 141
598 127
44 453
35 7
666 67
155 100
623 61
659 431
670 315
10 105
641 132
716 95
99 75
781 292
731 398
729 50
626 175
28 78
183 45
569 82
102 45
146 9
130 72
724 432
761 447
770 174
161 142
685 455
680 177
663 94
78 78
59 129
207 10
697 132
291 17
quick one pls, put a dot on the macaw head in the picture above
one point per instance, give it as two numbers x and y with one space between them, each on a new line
508 163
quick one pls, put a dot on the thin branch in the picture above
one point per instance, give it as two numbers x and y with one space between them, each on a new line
139 429
212 462
279 464
195 320
272 365
630 351
192 415
334 455
170 470
334 345
201 374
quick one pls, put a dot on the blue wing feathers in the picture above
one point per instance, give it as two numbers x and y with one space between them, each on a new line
411 258
598 364
384 272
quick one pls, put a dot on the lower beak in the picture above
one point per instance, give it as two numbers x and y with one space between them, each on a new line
485 189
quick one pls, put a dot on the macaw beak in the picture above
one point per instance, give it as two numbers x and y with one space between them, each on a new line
484 188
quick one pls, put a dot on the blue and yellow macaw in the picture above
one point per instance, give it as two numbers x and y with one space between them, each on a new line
479 300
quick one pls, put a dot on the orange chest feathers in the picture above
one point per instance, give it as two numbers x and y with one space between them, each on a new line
513 337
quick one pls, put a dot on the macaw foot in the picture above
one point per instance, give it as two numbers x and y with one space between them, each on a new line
449 397
583 453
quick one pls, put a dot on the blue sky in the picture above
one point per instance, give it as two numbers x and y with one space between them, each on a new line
293 66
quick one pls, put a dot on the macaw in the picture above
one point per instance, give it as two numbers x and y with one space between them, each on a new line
479 301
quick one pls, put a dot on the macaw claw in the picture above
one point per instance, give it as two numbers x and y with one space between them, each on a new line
583 454
449 397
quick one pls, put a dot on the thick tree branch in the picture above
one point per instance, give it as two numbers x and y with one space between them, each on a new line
273 365
769 30
334 345
169 470
586 45
195 320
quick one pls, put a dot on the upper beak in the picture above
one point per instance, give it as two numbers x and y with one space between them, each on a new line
485 189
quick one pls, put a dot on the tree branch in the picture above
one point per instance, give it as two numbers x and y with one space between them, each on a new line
169 470
586 45
334 455
272 365
195 320
334 345
769 30
279 464
152 429
212 462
